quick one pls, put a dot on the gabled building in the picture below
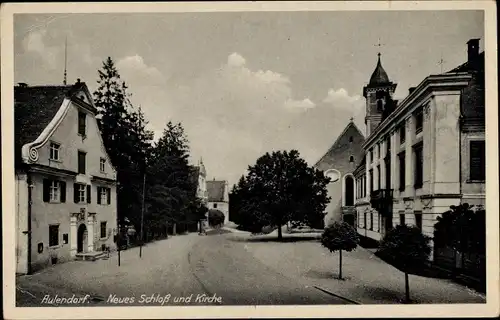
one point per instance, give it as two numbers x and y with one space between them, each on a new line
65 182
424 153
218 197
338 163
199 176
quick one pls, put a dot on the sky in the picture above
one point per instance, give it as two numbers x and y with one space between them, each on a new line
246 83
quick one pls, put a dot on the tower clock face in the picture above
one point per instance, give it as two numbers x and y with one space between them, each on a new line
333 175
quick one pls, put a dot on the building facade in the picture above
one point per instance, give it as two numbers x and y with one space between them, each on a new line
425 153
65 182
338 164
200 178
218 197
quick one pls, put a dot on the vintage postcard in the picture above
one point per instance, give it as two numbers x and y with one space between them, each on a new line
250 159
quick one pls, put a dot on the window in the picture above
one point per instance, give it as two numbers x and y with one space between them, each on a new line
371 155
350 139
402 134
53 235
65 238
54 191
81 162
351 159
54 151
364 220
402 171
102 165
477 165
215 205
364 186
103 229
401 218
103 195
81 193
378 150
388 145
371 180
419 166
371 220
419 122
418 219
82 123
379 183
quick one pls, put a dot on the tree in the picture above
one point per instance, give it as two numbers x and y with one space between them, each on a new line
406 248
127 141
215 217
171 190
281 187
340 236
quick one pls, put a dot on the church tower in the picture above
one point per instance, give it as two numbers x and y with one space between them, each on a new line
378 94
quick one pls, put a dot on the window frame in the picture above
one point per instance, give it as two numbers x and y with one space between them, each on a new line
54 150
82 123
103 195
481 177
52 237
55 191
82 188
82 168
102 165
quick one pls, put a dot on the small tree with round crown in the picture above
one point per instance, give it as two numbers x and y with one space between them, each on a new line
340 236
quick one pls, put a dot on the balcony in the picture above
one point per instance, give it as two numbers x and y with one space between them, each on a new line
381 200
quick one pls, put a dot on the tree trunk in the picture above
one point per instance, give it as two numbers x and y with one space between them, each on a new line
407 288
280 235
174 229
340 264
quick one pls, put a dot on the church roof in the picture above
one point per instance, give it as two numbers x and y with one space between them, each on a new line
379 76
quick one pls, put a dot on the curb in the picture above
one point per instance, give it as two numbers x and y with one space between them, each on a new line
336 295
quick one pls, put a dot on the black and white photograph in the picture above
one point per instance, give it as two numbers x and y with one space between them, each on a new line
322 159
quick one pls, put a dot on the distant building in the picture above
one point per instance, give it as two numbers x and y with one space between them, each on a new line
65 182
218 197
338 164
424 153
199 175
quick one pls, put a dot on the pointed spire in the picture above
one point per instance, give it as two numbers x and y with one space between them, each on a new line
379 76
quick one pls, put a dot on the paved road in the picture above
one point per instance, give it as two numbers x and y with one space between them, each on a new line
186 270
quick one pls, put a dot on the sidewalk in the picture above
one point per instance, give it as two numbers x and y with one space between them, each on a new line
368 280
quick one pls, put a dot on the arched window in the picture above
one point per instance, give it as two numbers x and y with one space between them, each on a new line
349 191
351 159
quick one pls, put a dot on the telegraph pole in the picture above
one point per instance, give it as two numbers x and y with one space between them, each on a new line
142 212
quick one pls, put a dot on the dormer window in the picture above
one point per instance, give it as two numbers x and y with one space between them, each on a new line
82 123
54 151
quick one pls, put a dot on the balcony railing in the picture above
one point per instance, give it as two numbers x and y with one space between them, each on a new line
381 200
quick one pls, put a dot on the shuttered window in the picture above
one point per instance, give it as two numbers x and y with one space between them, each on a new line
477 160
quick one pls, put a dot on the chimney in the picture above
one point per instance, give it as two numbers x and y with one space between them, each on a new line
23 84
78 81
472 50
411 89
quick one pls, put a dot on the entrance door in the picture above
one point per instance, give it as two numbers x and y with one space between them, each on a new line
82 238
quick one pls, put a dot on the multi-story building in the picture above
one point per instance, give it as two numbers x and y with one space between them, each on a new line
424 153
218 197
199 175
65 182
338 163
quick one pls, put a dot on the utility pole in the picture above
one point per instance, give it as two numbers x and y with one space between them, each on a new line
142 212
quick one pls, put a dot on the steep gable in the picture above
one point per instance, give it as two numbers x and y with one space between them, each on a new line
216 190
348 143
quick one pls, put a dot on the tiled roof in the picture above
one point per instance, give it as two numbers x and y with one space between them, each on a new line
465 67
216 190
34 108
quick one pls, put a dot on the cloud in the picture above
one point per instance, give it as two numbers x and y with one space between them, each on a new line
235 60
34 42
299 104
133 68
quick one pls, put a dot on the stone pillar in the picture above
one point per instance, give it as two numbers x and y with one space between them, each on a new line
90 231
447 140
409 157
427 139
73 234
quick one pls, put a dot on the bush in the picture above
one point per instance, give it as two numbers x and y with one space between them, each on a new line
407 249
268 229
340 236
215 217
